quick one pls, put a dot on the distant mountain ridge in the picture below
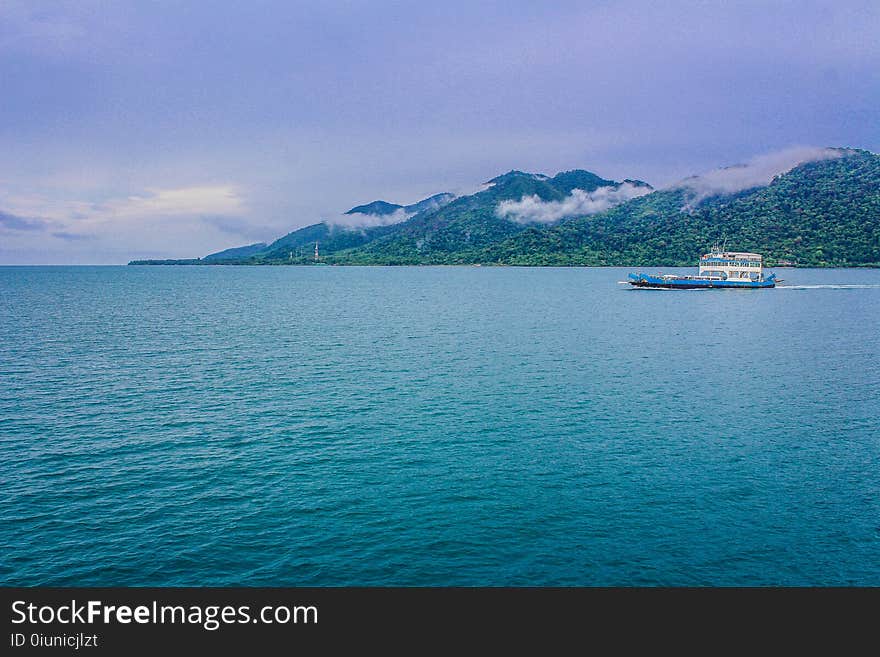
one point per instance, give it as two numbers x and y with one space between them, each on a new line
382 208
237 252
471 222
376 207
821 213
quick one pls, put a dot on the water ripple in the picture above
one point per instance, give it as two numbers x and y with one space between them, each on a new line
419 426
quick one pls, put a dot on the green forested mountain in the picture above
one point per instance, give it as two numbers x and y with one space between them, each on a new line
458 231
440 227
824 213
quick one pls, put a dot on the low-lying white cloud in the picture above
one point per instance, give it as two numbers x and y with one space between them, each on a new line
531 209
757 172
359 220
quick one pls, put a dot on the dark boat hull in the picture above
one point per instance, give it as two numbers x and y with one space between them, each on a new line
659 282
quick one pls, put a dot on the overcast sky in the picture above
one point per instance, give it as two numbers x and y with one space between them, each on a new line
174 129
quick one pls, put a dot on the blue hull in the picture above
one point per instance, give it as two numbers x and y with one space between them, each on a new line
658 282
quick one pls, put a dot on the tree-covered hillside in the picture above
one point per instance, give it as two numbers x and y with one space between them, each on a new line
441 224
824 213
469 223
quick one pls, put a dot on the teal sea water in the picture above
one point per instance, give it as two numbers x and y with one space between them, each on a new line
435 426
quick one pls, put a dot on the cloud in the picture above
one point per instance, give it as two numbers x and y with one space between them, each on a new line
166 222
531 209
757 172
215 200
15 222
359 220
219 206
202 201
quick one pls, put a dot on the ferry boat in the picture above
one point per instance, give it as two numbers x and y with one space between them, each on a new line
717 269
